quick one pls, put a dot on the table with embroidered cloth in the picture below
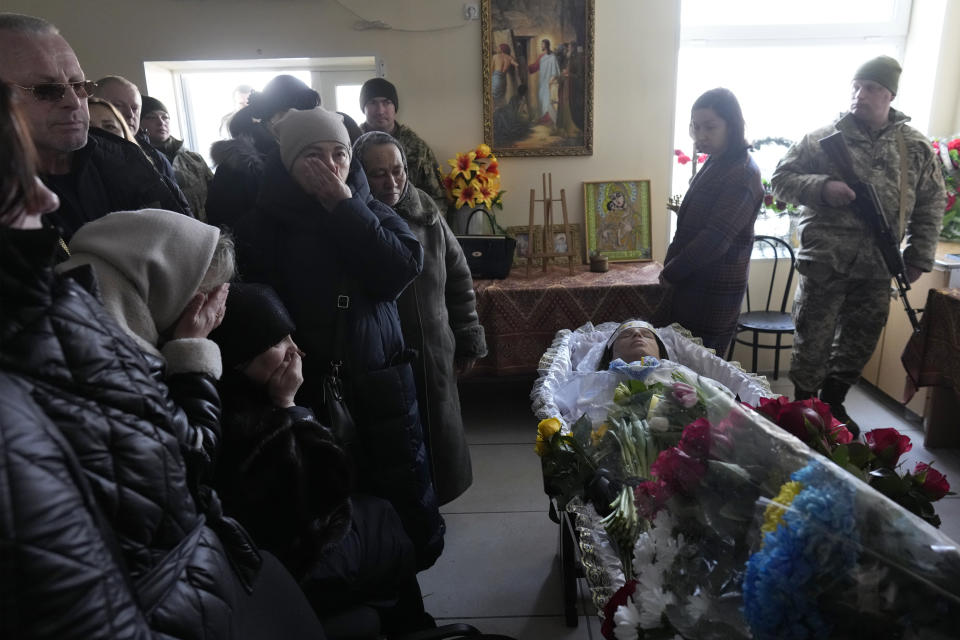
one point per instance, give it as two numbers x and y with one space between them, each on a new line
932 358
522 313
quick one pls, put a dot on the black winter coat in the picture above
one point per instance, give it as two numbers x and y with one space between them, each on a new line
232 194
303 252
99 533
109 174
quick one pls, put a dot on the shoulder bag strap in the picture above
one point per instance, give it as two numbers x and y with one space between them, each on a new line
337 354
902 148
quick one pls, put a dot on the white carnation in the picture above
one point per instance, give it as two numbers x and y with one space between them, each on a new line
626 618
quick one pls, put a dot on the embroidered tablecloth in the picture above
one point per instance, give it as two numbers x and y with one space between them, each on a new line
522 313
932 356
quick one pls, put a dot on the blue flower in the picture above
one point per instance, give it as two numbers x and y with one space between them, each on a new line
816 542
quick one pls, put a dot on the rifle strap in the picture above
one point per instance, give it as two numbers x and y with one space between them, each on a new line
902 149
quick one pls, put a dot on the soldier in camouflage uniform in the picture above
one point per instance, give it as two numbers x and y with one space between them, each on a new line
843 293
378 99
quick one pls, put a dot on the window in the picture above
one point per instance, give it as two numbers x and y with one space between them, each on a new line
200 93
789 64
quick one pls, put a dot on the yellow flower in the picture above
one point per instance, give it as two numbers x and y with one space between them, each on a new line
485 194
483 151
465 195
597 434
546 430
773 514
464 165
654 401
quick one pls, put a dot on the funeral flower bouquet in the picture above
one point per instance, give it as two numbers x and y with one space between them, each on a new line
948 153
474 179
740 528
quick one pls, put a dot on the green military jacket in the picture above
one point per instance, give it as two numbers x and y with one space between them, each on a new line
422 167
838 236
192 173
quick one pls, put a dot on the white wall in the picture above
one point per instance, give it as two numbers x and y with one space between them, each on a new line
438 73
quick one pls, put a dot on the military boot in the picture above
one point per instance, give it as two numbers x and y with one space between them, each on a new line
803 394
834 392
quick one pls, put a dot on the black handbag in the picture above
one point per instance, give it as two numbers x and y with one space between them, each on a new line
488 256
334 412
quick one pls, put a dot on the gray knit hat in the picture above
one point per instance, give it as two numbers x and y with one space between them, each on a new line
883 70
297 130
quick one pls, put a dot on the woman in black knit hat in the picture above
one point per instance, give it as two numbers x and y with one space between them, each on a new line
282 474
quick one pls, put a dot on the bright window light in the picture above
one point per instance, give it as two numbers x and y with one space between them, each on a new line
348 101
790 75
208 97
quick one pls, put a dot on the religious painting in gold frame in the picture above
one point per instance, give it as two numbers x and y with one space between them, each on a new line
618 219
538 76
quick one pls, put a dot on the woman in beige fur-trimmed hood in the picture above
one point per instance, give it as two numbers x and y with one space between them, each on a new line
163 277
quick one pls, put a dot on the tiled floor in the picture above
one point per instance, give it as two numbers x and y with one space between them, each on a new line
499 570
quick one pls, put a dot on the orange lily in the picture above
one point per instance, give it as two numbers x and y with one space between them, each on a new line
483 151
485 195
465 195
464 165
492 168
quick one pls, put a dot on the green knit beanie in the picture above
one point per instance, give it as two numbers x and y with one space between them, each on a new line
883 70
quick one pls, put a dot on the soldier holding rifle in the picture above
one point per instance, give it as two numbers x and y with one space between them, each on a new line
843 291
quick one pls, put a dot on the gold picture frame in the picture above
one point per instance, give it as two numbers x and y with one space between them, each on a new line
538 76
525 244
618 219
525 247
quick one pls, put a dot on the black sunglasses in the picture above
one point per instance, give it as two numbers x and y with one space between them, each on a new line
54 91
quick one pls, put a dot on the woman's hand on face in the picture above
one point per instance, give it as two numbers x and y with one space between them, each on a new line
203 314
284 383
318 180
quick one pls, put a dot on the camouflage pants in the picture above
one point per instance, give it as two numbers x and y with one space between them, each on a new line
838 323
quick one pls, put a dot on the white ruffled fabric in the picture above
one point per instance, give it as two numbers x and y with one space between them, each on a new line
569 382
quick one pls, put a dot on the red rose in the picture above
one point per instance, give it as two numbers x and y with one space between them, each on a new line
682 158
953 144
678 471
950 200
840 435
768 200
887 445
932 483
651 496
800 416
616 601
695 441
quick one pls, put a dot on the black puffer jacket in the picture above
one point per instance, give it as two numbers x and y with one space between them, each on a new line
232 193
303 251
88 435
109 174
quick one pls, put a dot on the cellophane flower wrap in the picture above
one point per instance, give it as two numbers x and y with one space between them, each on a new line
948 157
474 179
738 528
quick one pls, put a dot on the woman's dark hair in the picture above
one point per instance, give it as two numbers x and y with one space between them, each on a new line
18 158
281 93
726 106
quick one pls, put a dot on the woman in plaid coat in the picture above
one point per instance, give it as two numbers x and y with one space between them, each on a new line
709 259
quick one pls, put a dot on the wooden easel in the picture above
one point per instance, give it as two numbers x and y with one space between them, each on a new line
547 252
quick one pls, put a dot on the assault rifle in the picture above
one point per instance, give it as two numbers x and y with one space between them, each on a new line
868 206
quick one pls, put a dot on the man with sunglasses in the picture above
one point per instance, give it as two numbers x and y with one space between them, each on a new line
92 173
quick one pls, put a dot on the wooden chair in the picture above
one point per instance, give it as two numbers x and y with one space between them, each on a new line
777 322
